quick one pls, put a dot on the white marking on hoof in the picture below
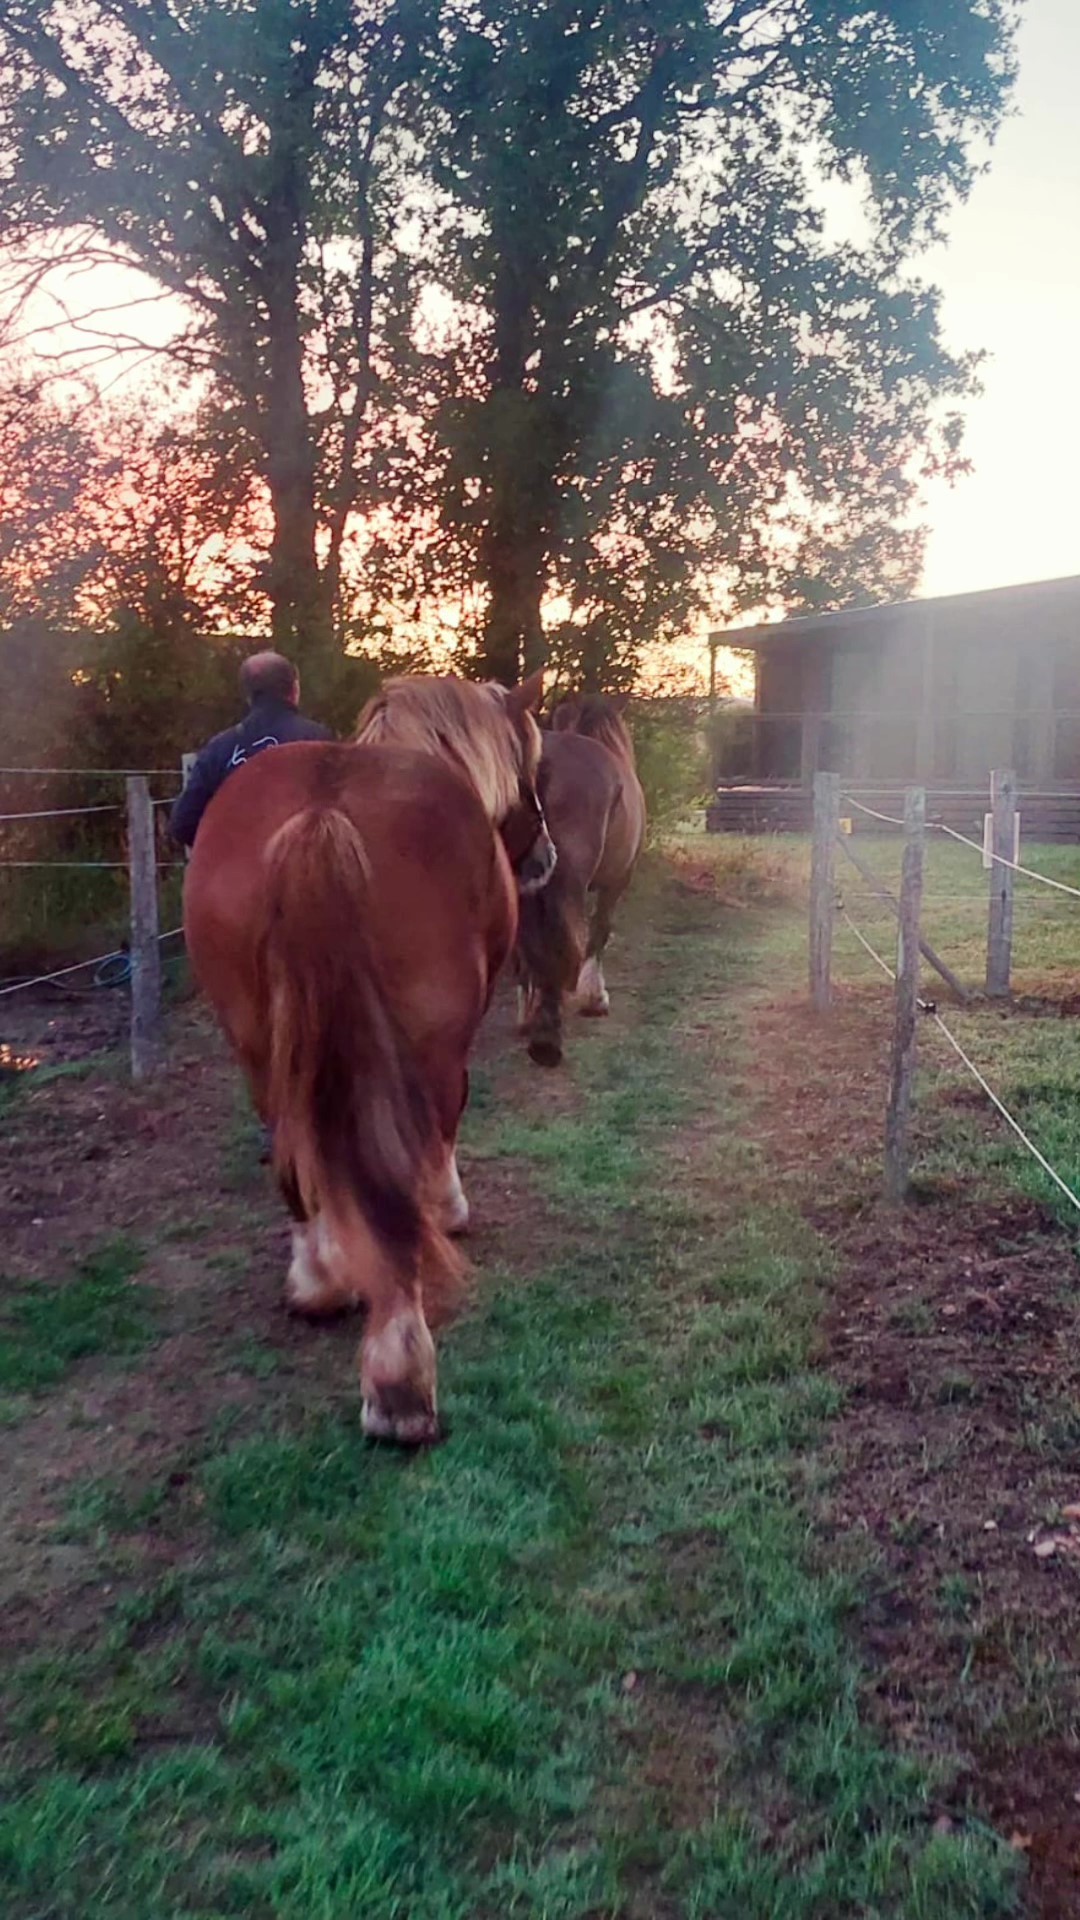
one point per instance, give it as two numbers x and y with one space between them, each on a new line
455 1207
592 994
409 1430
527 998
304 1286
397 1381
310 1286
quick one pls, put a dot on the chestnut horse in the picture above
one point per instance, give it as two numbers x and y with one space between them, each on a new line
347 909
595 808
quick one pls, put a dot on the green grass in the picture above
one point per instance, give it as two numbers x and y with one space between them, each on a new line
70 911
775 869
1031 1061
397 1689
955 912
45 1327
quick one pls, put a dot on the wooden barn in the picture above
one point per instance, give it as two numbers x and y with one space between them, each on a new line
928 692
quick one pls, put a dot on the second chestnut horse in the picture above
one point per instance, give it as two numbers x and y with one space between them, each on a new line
595 809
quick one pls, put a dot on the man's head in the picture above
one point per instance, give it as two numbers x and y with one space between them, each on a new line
269 676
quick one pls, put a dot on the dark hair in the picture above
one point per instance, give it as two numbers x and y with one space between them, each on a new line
267 676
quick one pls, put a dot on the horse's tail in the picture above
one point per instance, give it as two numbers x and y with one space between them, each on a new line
355 1132
552 932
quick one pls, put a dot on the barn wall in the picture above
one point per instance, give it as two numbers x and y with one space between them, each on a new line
940 692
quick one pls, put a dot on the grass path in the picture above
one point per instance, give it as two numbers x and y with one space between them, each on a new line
586 1659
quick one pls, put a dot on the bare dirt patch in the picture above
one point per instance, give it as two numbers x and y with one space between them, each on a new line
954 1326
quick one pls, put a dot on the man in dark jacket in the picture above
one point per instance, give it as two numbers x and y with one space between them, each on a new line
271 686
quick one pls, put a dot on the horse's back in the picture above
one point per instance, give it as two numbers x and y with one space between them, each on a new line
594 805
439 905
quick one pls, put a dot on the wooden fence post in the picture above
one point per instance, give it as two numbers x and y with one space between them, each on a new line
1003 843
823 887
145 950
902 1061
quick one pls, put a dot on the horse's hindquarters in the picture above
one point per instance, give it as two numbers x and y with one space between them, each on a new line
347 910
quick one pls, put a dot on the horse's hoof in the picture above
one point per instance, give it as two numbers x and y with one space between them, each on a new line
595 1009
411 1430
316 1308
545 1053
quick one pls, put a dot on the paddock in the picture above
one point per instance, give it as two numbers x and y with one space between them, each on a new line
747 1571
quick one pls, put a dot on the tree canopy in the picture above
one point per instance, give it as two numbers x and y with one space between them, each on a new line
679 368
593 316
226 150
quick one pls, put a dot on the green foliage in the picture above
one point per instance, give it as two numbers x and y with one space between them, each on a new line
729 732
226 151
548 292
672 760
670 361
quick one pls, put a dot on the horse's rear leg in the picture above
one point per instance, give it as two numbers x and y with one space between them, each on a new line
452 1202
397 1353
397 1369
316 1284
556 946
592 994
546 1027
451 1081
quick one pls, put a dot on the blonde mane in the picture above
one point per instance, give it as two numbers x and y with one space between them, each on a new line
598 718
465 724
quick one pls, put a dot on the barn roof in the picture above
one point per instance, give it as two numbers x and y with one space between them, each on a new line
890 617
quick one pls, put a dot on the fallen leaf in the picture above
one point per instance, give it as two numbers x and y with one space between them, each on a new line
629 1682
1071 1512
1021 1841
1044 1549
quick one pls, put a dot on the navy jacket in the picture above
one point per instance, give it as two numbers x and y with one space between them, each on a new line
268 723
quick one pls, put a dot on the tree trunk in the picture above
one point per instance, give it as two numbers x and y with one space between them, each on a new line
300 616
301 621
514 545
514 569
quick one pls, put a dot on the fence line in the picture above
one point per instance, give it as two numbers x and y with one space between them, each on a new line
139 956
896 1169
59 813
1004 1112
864 942
92 773
1009 1118
890 819
1002 860
928 952
61 973
939 826
164 866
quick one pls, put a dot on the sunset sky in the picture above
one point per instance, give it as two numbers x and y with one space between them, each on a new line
1010 275
1011 278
